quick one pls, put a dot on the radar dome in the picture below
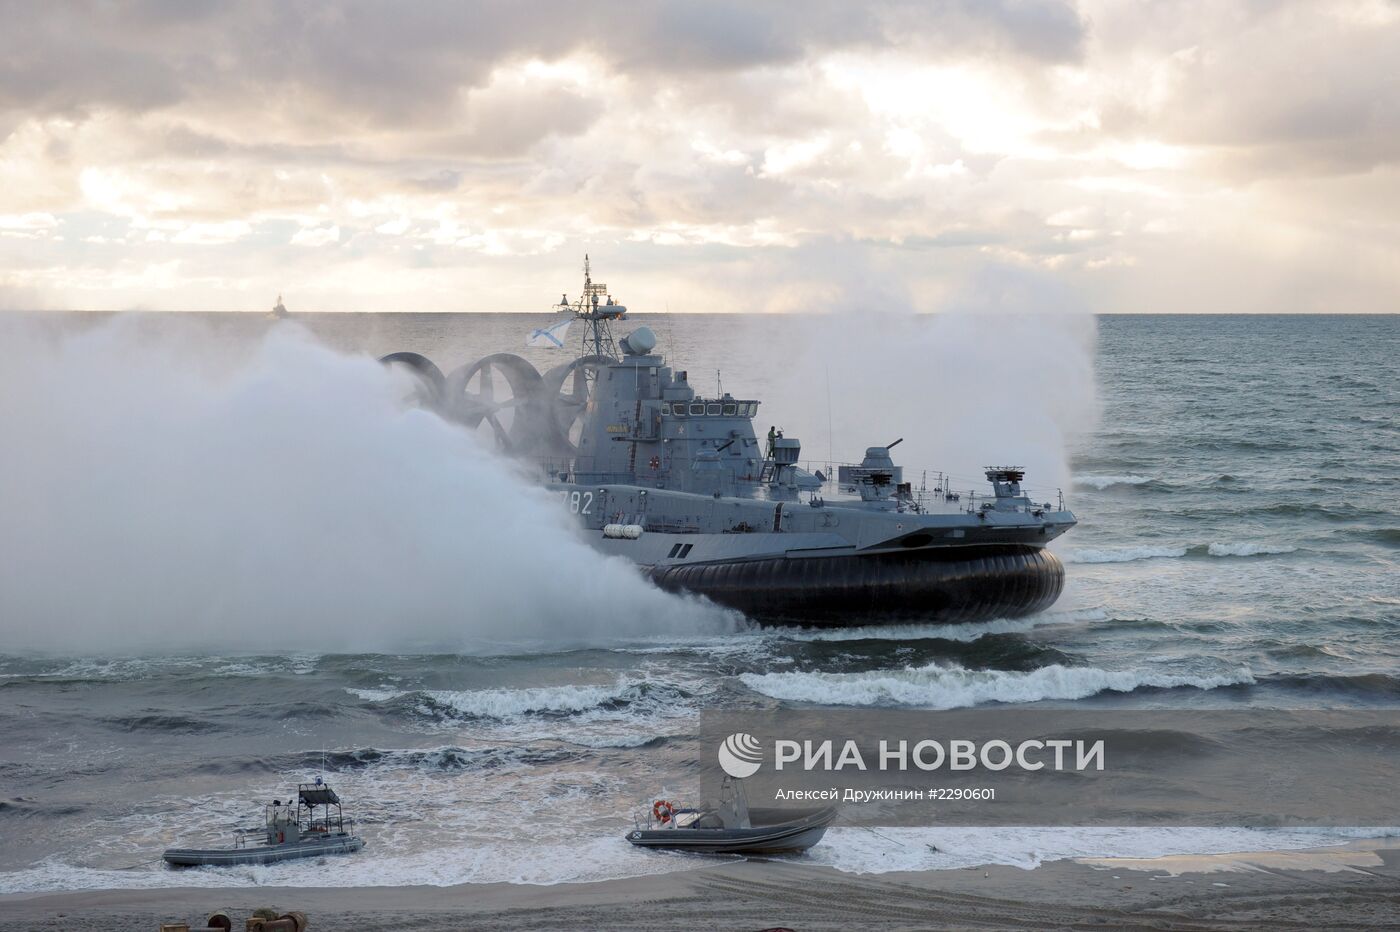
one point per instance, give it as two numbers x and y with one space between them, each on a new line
639 342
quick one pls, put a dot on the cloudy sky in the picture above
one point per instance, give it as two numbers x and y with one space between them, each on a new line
1164 156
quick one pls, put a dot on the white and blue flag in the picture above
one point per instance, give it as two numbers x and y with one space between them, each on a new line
551 336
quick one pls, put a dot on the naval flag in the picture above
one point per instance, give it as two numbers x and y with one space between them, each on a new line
551 336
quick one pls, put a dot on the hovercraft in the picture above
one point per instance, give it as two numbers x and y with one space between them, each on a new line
681 483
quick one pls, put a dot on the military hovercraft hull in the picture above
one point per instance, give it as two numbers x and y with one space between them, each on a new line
939 585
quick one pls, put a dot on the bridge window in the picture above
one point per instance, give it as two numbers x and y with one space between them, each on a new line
665 409
698 410
730 410
713 409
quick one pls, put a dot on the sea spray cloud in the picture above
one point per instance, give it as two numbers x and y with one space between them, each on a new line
1001 373
164 489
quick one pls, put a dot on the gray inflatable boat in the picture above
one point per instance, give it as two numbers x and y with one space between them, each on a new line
302 828
731 827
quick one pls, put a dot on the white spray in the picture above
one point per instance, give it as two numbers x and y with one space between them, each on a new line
1001 374
163 490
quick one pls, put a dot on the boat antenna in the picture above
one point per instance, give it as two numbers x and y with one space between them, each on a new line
830 456
587 296
666 331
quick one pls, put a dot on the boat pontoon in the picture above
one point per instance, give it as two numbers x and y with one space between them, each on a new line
731 827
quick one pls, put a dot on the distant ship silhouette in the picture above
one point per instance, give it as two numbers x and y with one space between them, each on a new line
280 311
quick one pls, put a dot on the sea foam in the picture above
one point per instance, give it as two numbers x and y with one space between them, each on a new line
1246 549
964 632
1132 554
862 851
534 700
1123 555
954 687
1105 482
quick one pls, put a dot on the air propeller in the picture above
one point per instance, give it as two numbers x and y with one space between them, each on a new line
506 398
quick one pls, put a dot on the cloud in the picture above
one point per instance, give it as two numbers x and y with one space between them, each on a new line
397 64
34 224
1114 146
1292 88
212 234
316 236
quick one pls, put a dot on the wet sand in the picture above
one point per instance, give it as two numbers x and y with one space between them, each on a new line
1351 886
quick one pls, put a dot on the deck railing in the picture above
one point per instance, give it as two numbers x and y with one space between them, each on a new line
929 489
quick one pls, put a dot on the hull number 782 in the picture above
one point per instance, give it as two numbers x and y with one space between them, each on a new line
579 503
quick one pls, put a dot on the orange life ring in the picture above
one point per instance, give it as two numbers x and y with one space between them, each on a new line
663 810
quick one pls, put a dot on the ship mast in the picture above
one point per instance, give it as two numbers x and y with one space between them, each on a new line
597 315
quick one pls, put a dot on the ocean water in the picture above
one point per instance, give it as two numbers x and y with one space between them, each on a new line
1239 545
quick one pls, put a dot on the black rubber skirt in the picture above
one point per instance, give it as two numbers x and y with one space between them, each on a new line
938 585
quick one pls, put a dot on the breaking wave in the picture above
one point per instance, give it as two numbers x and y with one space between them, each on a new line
1215 549
1246 549
517 703
67 672
941 687
445 759
1124 555
1106 482
965 632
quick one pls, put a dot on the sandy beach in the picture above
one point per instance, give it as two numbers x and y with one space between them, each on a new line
1351 886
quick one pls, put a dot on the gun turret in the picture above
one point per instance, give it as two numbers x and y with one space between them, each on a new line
709 474
876 478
